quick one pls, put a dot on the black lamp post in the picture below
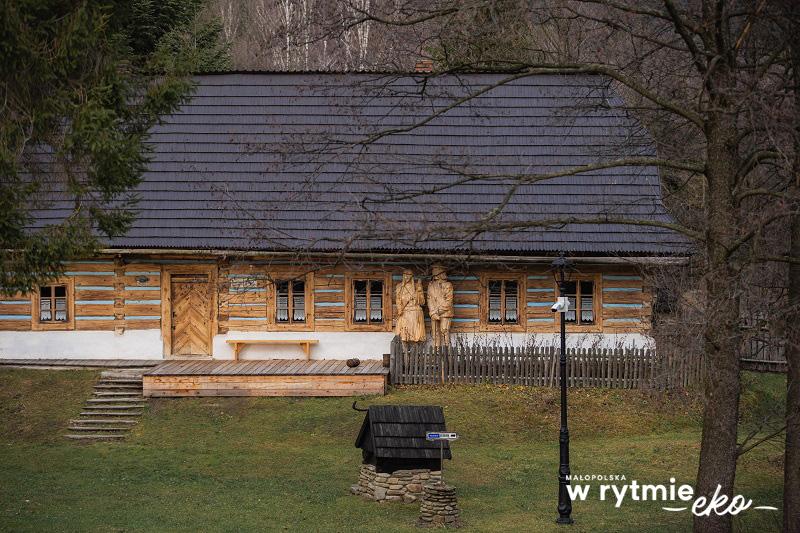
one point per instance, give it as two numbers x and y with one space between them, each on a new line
564 502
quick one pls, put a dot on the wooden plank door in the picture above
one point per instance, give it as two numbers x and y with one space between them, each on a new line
191 314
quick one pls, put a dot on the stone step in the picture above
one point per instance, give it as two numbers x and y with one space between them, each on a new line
97 428
122 374
125 399
107 436
111 413
112 410
100 421
124 406
102 407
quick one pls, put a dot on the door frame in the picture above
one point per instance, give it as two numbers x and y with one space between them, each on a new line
167 272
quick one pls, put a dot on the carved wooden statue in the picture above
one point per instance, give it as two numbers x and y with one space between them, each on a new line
410 299
440 306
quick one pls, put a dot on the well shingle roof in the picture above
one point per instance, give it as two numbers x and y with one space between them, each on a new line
277 161
398 432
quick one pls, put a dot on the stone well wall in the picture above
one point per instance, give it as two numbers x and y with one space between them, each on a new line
439 506
400 485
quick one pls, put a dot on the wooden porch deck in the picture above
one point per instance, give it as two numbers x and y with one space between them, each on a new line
272 377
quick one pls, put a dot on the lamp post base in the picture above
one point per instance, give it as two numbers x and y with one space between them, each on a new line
564 520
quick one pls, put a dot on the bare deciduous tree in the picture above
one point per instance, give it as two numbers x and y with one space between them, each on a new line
712 74
710 80
312 35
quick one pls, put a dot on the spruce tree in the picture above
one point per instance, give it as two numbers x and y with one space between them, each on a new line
81 83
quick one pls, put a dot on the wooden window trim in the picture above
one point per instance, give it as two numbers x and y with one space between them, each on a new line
388 300
37 325
597 305
272 301
522 303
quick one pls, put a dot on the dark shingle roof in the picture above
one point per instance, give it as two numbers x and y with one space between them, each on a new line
398 432
274 162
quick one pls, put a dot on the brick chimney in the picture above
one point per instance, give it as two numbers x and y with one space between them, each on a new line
424 66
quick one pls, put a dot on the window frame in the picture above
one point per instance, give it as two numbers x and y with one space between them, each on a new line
69 324
387 303
522 304
272 301
291 302
577 327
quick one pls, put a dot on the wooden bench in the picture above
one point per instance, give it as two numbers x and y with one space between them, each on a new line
238 344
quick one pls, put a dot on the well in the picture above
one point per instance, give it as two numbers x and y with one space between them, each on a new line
400 485
439 506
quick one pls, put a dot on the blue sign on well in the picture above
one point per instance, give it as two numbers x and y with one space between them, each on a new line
430 435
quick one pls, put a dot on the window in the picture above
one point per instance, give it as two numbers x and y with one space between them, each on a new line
290 302
581 302
53 306
367 302
368 306
503 305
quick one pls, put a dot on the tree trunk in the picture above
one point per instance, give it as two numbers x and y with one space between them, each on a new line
718 447
791 462
791 466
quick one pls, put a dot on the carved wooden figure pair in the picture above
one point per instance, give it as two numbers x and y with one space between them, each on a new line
410 299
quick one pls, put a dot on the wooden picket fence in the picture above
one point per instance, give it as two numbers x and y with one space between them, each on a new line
764 353
539 366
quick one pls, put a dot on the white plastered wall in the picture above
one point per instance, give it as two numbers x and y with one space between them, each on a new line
133 344
332 345
147 344
574 340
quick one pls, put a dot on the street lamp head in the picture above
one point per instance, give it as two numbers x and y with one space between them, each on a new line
561 262
560 266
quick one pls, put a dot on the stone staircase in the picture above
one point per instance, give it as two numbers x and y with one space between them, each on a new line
114 408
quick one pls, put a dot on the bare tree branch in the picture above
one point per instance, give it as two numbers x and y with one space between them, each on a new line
743 448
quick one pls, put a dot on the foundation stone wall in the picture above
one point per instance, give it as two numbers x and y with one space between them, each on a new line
400 485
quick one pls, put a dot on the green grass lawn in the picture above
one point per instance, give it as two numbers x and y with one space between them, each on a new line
264 464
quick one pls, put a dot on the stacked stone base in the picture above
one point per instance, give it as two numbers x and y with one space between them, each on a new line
400 486
439 506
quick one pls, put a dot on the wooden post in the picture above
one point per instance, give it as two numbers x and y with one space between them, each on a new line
442 362
222 287
119 296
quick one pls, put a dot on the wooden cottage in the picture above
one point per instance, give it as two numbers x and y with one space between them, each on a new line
280 210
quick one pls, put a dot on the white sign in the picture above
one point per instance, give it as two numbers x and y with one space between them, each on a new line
674 497
430 435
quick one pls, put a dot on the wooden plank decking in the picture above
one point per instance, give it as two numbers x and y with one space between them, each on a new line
267 367
270 377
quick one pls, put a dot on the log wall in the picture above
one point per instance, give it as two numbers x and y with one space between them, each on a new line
111 294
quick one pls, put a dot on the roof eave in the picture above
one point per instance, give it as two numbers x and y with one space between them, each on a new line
664 259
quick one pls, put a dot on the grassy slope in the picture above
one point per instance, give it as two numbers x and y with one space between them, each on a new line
235 464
